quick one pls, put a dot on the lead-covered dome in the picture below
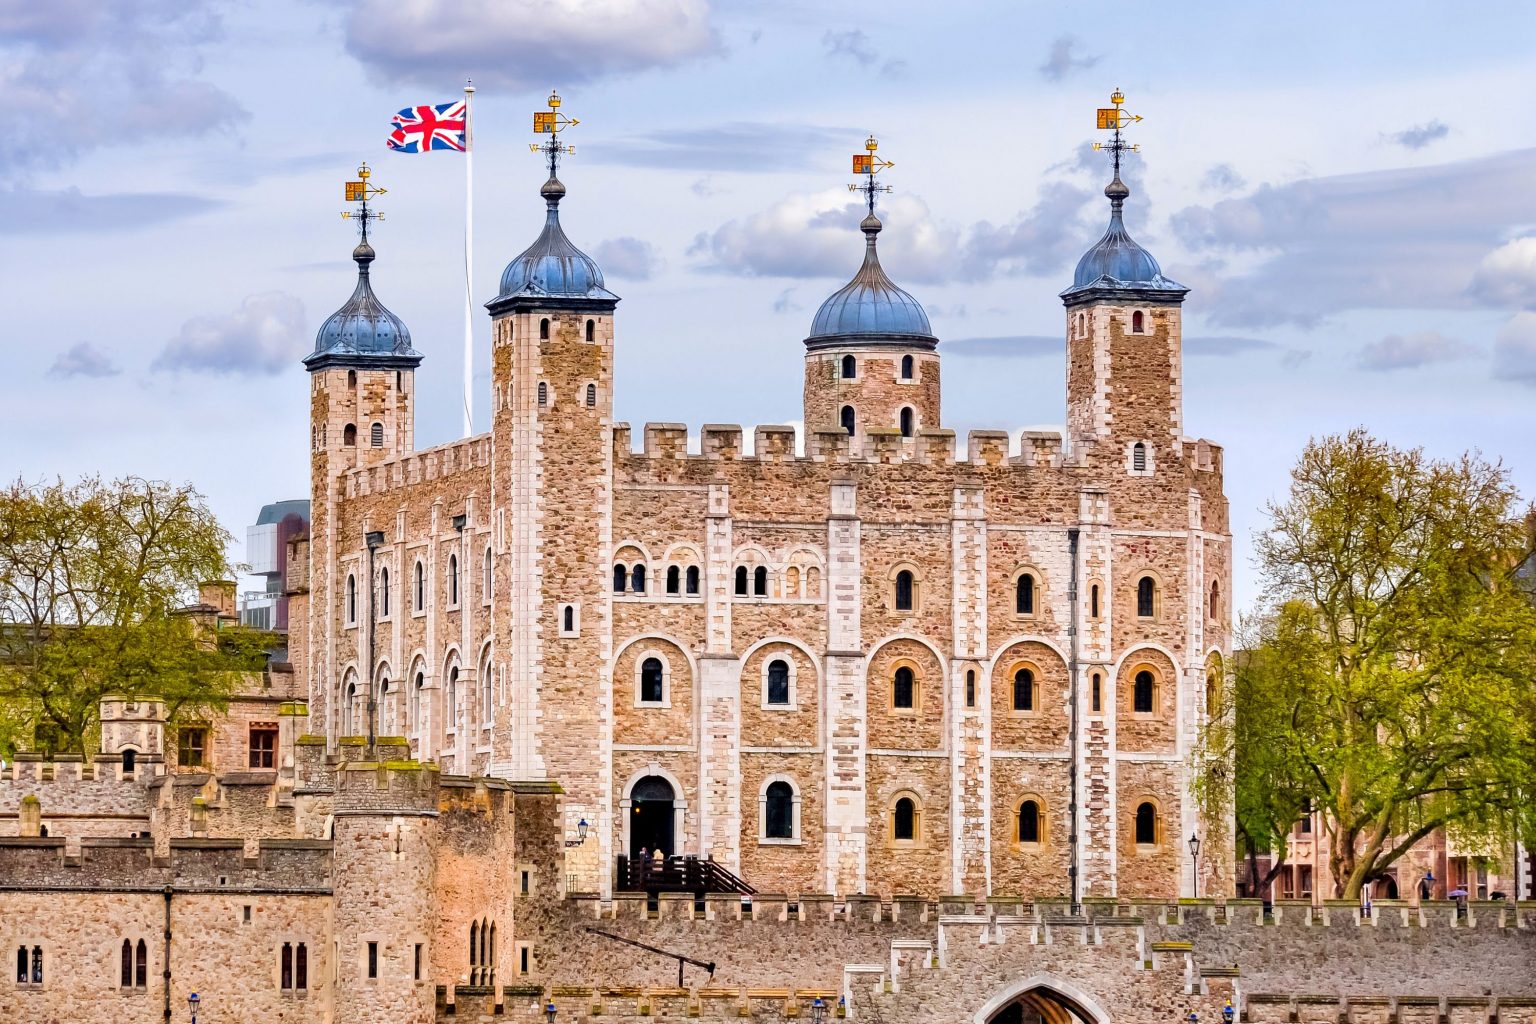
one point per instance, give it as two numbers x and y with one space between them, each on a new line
1116 261
553 268
363 332
871 308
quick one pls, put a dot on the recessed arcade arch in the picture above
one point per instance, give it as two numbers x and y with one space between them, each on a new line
1041 999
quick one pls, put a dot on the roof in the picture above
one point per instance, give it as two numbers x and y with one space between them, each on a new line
1116 263
362 332
552 268
277 511
871 308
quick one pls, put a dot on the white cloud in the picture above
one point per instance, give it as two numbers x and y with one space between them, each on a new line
1064 59
1507 276
857 46
627 257
521 44
1411 351
1421 135
265 336
1514 352
83 360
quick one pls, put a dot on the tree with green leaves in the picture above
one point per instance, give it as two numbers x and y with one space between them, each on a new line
94 577
1389 680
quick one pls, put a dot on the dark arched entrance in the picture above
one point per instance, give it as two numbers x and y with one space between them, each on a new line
1042 1005
651 817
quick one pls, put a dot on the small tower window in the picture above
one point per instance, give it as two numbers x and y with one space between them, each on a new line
847 418
130 761
970 687
1215 599
1024 595
620 579
906 367
1096 698
651 681
1093 601
906 586
1138 322
1030 822
544 329
351 598
760 581
568 619
904 689
692 579
543 391
741 581
637 579
453 579
419 590
485 576
1139 457
351 378
1023 690
1146 824
904 820
906 422
376 435
349 435
778 682
779 811
591 331
1146 597
674 579
1143 697
591 394
384 591
850 367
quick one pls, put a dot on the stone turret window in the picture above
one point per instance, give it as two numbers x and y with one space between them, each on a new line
850 368
376 435
904 689
384 593
691 580
637 579
777 688
351 600
1146 598
418 588
1139 457
741 581
1025 689
591 396
130 762
1096 698
1093 601
1146 824
1138 322
1029 824
906 422
906 367
351 378
349 435
543 392
485 578
373 959
760 581
453 580
570 621
1144 693
970 687
591 333
848 420
674 579
544 329
906 820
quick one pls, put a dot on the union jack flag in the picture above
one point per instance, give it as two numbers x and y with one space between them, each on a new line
425 128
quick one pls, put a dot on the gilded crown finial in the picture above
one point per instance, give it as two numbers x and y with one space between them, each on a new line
869 164
1114 118
360 191
551 122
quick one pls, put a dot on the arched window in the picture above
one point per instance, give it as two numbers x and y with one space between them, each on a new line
351 378
591 331
419 587
141 965
1024 595
850 367
620 579
691 580
848 419
970 687
1023 690
906 422
778 681
21 965
130 761
906 586
568 619
741 581
486 690
301 967
37 965
591 396
813 582
544 329
906 367
1093 601
905 820
451 700
652 688
674 579
1138 322
349 435
779 811
1097 696
376 434
1143 697
904 688
760 581
1212 692
384 591
416 692
1031 823
485 576
1146 597
1139 457
1215 611
125 974
386 711
637 578
351 598
1146 824
543 393
453 579
348 710
474 952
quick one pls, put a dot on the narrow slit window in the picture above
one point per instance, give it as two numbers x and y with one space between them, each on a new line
376 434
905 588
760 581
453 579
1093 601
970 687
591 331
906 422
544 329
850 367
419 588
906 367
1097 696
848 419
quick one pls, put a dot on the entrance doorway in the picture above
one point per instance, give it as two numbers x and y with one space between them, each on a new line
1040 1005
651 817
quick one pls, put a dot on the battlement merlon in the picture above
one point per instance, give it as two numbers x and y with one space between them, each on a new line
466 455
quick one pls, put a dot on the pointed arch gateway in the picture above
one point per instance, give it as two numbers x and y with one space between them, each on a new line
1041 999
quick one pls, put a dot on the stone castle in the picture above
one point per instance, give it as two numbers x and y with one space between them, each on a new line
866 723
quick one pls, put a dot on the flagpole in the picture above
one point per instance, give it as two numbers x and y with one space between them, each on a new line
469 260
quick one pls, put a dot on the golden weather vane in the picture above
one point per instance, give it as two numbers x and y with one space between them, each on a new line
551 122
869 164
360 191
1113 119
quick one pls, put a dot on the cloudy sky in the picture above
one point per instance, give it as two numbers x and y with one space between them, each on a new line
1349 190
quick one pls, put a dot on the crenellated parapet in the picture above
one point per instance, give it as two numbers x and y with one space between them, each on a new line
467 455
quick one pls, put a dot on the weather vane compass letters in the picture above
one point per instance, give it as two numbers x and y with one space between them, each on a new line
551 122
869 164
360 192
1115 118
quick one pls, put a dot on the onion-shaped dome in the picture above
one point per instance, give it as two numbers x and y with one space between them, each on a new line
870 308
552 268
362 332
1116 262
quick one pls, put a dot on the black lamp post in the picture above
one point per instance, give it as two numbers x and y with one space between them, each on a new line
193 1002
1194 857
549 1012
374 539
818 1010
1227 1012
